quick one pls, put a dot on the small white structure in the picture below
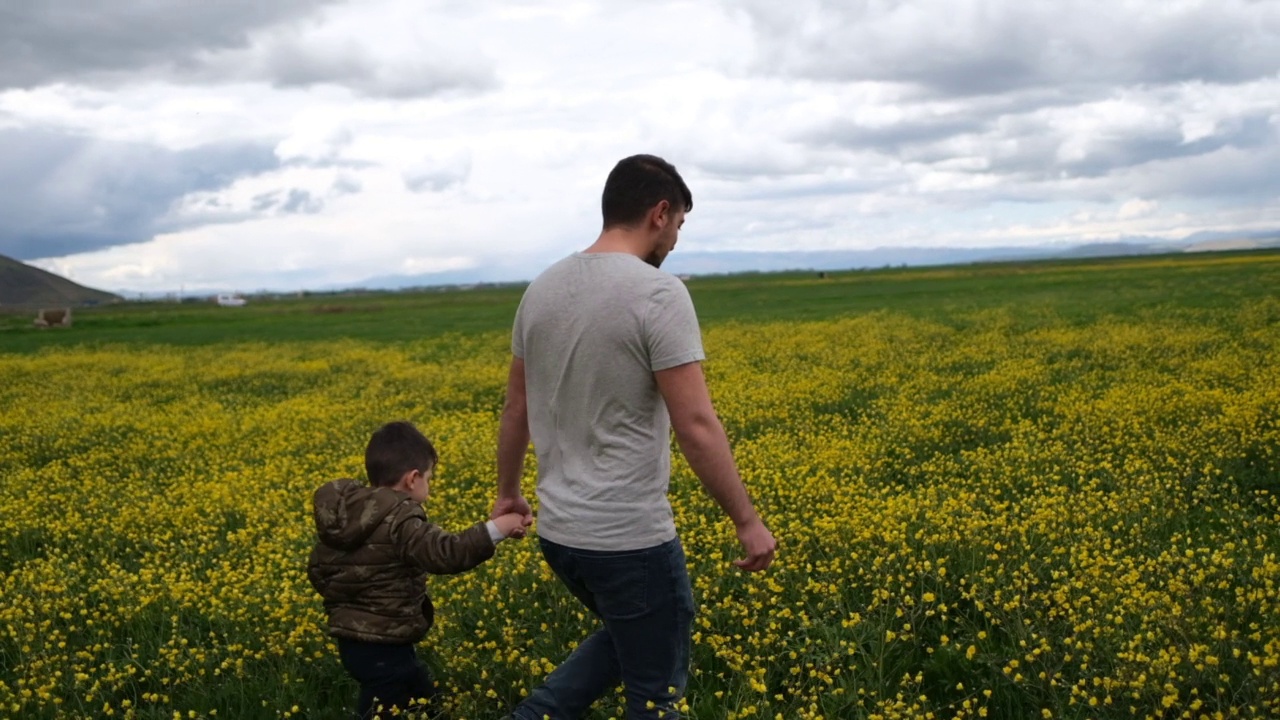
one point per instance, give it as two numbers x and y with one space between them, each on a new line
229 300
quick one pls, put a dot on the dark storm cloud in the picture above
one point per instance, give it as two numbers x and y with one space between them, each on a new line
892 138
1031 146
265 201
1235 164
1117 153
1035 152
295 201
973 48
47 41
301 201
1232 174
346 185
746 166
62 194
436 179
925 121
293 61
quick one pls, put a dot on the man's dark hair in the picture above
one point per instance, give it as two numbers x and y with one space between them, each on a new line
636 184
395 449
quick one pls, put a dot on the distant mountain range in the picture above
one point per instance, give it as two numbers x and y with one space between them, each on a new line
24 286
701 263
693 262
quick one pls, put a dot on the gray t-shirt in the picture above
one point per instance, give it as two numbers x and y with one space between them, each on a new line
592 329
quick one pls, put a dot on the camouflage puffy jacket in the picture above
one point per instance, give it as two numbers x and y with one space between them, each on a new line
373 556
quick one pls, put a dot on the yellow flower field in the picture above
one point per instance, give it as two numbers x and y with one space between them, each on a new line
1070 521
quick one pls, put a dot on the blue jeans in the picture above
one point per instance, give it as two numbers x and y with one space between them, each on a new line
645 601
390 675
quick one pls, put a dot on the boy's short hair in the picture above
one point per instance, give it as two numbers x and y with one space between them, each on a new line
636 184
395 449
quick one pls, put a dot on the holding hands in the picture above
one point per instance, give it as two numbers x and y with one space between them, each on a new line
512 515
512 525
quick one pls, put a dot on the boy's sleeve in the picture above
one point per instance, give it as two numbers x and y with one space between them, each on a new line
430 548
314 574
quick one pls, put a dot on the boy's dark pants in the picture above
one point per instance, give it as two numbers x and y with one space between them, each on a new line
389 675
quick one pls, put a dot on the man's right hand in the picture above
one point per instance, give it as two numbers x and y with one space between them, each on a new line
759 545
516 504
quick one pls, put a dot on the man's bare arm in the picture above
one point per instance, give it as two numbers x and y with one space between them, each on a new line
703 441
513 443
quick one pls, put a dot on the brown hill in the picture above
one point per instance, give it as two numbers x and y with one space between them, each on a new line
24 286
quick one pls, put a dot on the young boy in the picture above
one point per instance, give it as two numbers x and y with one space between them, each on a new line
375 548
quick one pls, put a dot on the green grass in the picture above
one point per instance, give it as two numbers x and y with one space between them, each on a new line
1077 291
386 317
1075 399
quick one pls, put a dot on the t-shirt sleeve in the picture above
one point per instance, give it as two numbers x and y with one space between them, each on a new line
672 335
517 332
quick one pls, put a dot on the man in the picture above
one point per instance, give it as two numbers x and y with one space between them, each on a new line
606 361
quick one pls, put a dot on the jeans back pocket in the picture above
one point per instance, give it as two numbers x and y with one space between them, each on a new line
619 582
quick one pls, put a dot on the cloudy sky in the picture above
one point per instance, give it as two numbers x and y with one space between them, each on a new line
152 145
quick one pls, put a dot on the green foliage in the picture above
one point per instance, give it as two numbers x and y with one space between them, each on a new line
1076 291
1018 489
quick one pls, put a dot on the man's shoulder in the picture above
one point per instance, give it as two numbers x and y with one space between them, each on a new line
667 289
556 268
549 278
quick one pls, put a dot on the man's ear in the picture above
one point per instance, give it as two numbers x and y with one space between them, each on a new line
660 215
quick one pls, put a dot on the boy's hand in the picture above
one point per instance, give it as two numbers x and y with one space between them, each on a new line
513 525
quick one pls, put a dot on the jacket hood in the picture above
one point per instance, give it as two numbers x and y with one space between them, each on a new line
347 512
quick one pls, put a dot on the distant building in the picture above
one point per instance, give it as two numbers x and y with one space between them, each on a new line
229 300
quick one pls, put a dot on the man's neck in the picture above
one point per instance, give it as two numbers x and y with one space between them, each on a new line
620 240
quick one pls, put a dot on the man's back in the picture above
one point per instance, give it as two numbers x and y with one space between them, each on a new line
592 330
607 361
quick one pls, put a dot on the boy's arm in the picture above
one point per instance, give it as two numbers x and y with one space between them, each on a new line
430 548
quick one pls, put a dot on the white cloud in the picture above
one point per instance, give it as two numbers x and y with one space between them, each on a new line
977 47
434 172
435 264
56 41
315 137
380 49
403 137
1137 208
